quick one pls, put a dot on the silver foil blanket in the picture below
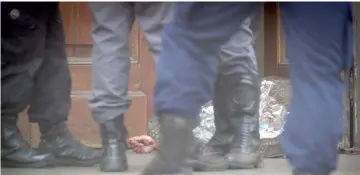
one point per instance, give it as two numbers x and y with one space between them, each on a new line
274 99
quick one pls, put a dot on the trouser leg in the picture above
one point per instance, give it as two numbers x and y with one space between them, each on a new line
152 17
111 64
111 59
319 47
110 75
22 46
51 101
186 73
238 54
17 82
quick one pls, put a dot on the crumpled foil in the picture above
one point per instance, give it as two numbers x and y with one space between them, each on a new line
274 99
206 128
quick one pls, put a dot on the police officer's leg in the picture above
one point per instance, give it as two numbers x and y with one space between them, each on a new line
239 74
186 73
318 46
237 78
110 74
152 17
51 101
22 43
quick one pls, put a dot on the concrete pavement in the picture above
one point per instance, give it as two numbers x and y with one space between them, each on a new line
349 165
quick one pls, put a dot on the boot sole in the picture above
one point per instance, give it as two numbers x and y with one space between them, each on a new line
201 166
113 170
258 164
7 164
74 162
111 164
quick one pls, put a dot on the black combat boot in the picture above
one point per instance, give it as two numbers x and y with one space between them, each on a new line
16 152
176 144
211 156
114 136
68 151
243 104
305 173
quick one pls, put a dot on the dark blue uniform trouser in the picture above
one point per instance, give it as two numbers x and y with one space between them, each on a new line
318 39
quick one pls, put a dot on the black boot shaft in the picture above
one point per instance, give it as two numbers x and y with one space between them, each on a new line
236 108
220 142
243 98
114 130
211 156
114 136
223 132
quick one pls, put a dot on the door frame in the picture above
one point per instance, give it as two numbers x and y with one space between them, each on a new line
274 48
356 124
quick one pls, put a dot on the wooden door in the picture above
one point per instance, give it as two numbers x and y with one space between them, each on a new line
275 62
77 21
